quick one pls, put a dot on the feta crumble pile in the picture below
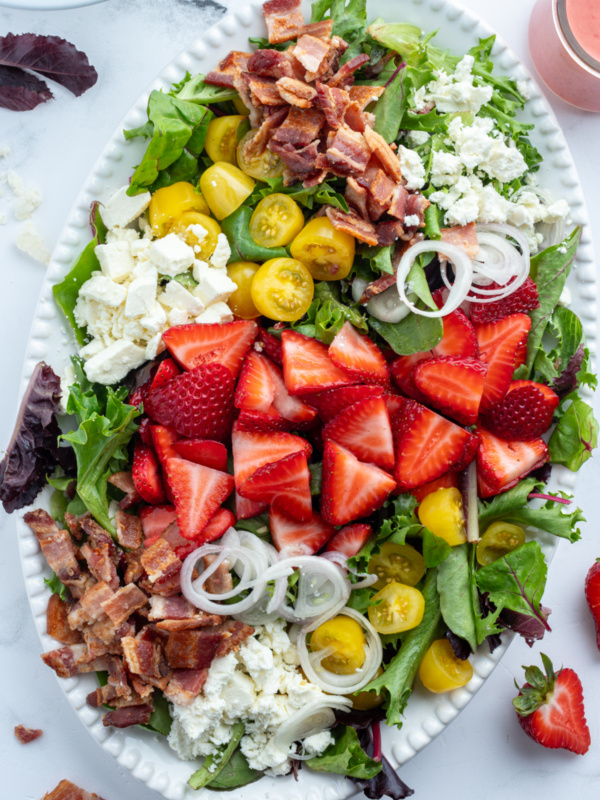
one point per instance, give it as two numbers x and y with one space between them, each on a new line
260 685
135 296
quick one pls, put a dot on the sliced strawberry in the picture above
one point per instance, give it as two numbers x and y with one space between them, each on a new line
255 390
402 369
592 595
459 337
394 403
285 484
427 445
146 474
453 385
521 355
197 404
270 345
293 538
524 413
270 420
365 430
330 403
145 432
155 519
359 357
245 508
525 298
221 520
499 343
198 492
468 455
350 540
196 345
502 464
167 370
182 547
164 439
253 450
351 489
307 366
137 397
202 451
291 408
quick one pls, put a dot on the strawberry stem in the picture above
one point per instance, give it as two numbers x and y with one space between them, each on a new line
554 498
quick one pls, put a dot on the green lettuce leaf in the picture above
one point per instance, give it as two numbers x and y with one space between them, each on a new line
56 587
193 89
327 314
349 21
345 756
454 588
575 435
214 764
243 247
323 194
566 365
414 334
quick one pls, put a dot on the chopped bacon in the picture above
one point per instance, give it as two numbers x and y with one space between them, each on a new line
364 95
257 145
354 118
356 196
348 152
233 64
315 178
263 91
170 608
333 102
167 586
74 524
301 127
57 622
270 64
376 287
388 232
351 223
133 566
123 603
310 51
68 791
322 29
345 73
185 685
103 636
89 608
142 691
465 237
296 92
398 203
129 530
27 735
192 649
385 154
416 205
159 560
142 656
124 482
127 716
117 677
301 161
234 633
72 659
220 581
284 20
337 47
201 620
57 546
102 696
101 553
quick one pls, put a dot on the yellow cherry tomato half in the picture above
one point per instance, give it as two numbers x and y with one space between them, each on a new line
221 138
171 201
365 701
345 637
327 253
441 671
184 226
276 220
240 107
397 562
282 289
240 302
398 608
225 187
263 167
442 512
498 540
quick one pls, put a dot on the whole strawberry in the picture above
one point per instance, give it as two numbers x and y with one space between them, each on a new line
550 708
592 595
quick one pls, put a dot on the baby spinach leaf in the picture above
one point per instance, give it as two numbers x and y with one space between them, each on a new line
327 314
214 764
435 549
575 435
243 247
258 525
160 719
391 106
453 585
380 259
345 756
323 194
194 89
414 334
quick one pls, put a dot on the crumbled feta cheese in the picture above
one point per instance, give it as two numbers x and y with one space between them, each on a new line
155 320
116 261
114 362
177 316
215 314
128 235
413 169
27 203
103 290
221 254
314 745
15 183
177 296
145 228
446 168
411 221
476 148
152 346
464 210
122 209
214 286
524 88
415 138
91 349
30 242
198 231
455 93
171 255
140 249
141 295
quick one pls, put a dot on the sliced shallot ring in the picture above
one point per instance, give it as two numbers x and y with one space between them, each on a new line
387 306
302 611
358 287
342 561
312 718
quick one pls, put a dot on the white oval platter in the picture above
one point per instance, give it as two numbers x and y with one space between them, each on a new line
148 756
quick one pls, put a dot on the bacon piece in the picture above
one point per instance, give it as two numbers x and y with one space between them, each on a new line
354 118
314 179
133 566
27 735
233 64
142 656
57 546
333 102
417 204
74 524
310 51
301 161
124 482
89 608
322 29
192 649
296 93
397 207
159 560
68 791
348 152
129 530
127 716
220 581
356 196
57 622
142 691
166 586
337 47
300 127
464 236
384 153
284 20
388 232
73 659
263 91
345 74
101 553
103 636
270 64
170 608
351 223
377 287
198 621
117 677
234 633
364 95
123 603
257 145
102 696
185 685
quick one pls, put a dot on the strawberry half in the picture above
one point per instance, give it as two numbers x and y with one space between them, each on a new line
155 520
502 464
307 366
164 439
291 408
270 420
428 446
255 390
525 298
453 385
550 708
202 451
351 489
359 357
253 450
221 520
197 404
196 345
592 595
285 484
524 413
270 345
245 508
167 370
293 538
350 540
146 474
365 430
330 403
447 481
459 338
402 372
198 492
499 343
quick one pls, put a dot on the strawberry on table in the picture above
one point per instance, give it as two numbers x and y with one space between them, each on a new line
285 484
350 488
198 492
350 539
499 344
502 464
525 298
293 538
195 345
524 413
550 708
146 474
453 384
307 366
331 402
202 451
359 357
592 595
365 430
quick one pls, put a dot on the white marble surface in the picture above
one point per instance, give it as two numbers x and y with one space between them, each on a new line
483 752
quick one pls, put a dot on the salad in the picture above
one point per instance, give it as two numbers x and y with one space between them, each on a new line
326 363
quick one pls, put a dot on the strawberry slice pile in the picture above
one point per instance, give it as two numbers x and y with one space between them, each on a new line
250 416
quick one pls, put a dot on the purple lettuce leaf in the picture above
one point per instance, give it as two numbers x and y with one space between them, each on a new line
567 381
386 783
20 91
531 628
460 647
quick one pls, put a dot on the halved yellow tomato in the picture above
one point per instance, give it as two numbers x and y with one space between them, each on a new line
264 167
282 289
442 512
240 107
398 608
499 539
240 302
345 637
184 226
397 562
221 138
327 253
276 220
441 671
365 701
171 201
225 187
